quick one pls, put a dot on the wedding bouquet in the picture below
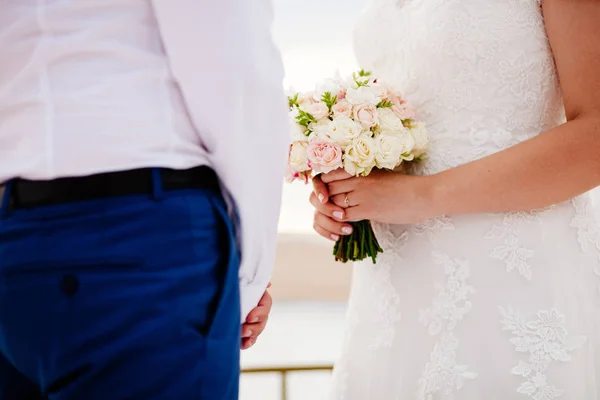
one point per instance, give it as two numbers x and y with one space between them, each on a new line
357 124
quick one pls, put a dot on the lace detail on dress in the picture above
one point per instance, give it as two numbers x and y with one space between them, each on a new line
512 252
546 340
442 373
339 386
588 230
481 75
386 307
432 226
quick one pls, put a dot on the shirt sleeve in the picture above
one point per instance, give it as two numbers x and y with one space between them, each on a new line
230 73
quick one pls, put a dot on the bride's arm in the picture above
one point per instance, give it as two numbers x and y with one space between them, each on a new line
556 165
551 168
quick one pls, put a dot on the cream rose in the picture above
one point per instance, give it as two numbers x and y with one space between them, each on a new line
366 115
362 95
360 156
343 130
391 148
324 156
320 129
342 109
389 122
419 133
298 158
291 175
305 100
318 110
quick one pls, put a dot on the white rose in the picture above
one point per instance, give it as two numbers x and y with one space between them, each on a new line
298 158
294 113
319 110
298 132
342 130
389 122
320 129
362 95
343 108
390 148
380 90
419 133
360 156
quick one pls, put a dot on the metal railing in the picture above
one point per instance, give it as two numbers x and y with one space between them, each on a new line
284 371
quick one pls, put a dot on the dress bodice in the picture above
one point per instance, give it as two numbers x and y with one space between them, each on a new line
480 73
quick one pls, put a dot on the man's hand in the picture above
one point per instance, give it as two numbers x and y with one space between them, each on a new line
257 321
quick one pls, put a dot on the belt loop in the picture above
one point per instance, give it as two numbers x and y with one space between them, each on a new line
157 185
6 199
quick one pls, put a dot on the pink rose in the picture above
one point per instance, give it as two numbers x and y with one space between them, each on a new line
324 156
401 107
291 175
366 115
341 95
319 110
342 109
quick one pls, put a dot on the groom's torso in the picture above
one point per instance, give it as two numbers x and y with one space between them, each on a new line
90 86
85 87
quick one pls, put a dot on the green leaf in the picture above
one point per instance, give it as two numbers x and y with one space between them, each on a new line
384 104
293 101
365 78
304 118
329 99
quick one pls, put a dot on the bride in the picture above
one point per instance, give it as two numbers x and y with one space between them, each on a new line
489 287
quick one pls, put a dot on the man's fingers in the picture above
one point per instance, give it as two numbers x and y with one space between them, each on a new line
259 314
328 208
253 330
320 189
248 342
338 174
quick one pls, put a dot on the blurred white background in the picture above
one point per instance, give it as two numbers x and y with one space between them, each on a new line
315 38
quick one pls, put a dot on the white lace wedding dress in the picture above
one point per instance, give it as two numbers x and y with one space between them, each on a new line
482 307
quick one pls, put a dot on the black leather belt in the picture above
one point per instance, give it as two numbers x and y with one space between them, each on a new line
29 194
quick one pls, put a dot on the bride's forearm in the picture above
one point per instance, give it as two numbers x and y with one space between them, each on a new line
551 168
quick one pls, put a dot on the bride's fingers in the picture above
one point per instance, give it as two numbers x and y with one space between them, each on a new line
330 228
320 189
328 208
338 174
325 233
339 187
340 200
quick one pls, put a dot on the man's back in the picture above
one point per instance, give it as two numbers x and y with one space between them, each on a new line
130 132
85 87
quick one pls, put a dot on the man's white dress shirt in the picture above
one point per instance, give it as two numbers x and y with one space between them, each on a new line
90 86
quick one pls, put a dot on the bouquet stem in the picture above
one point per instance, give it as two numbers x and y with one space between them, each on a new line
361 244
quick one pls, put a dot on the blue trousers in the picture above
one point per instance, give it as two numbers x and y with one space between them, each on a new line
131 298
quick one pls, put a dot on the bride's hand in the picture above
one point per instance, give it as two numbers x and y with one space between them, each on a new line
382 196
328 217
